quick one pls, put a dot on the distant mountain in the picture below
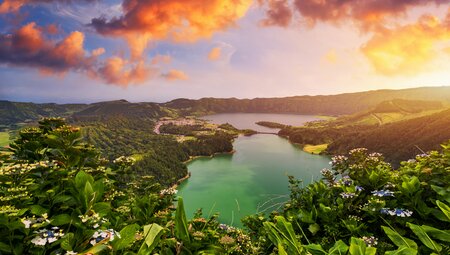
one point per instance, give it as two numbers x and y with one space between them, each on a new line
13 112
122 108
341 104
16 112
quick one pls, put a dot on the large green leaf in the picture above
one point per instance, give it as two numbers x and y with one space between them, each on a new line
315 249
424 237
38 210
102 208
81 179
283 233
339 248
444 208
403 250
5 248
97 249
443 235
281 250
88 195
152 234
359 247
399 240
127 237
61 219
68 241
181 226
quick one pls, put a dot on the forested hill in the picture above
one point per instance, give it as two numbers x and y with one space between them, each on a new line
399 140
15 112
327 105
112 109
349 103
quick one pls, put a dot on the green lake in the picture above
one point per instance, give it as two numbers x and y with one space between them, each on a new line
253 179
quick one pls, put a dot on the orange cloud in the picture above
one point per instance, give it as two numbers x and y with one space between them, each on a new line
368 14
174 75
10 6
28 47
116 71
278 13
215 54
407 49
176 20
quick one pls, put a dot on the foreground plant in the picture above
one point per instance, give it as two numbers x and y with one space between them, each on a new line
364 204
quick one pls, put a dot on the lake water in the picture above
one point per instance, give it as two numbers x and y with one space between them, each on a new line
248 120
253 179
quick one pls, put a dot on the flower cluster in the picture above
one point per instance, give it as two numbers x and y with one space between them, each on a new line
124 161
45 236
347 195
370 241
104 235
354 218
338 159
423 155
328 176
347 181
93 219
383 193
168 191
11 210
396 212
33 221
227 240
357 151
112 195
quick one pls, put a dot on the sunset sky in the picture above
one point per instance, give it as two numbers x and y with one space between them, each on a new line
158 50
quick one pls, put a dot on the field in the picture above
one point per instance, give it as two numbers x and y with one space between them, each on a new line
315 149
4 139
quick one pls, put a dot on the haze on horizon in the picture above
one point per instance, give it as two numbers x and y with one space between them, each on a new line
94 50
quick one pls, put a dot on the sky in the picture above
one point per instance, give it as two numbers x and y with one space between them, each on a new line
69 51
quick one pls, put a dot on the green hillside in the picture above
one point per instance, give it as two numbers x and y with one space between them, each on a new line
400 140
348 103
391 111
404 129
113 109
12 113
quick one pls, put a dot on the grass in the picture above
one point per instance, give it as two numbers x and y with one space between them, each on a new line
4 139
182 139
315 149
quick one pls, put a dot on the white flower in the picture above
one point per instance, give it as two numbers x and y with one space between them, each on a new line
71 253
39 241
51 239
101 235
27 223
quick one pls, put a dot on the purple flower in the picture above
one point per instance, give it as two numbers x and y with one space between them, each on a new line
383 193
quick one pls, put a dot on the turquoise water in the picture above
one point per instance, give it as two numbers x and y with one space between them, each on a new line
253 179
248 120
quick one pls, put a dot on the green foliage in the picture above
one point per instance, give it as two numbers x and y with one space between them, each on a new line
58 196
362 199
60 199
